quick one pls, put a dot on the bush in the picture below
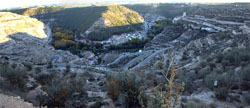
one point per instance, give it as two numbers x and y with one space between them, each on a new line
187 80
245 73
210 79
38 69
50 65
67 68
160 65
17 77
64 93
28 66
45 78
125 87
223 36
221 93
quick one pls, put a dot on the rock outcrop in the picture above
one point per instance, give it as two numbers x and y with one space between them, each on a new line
11 23
24 39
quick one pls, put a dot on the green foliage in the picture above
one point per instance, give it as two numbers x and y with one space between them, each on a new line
17 77
105 33
221 93
63 93
28 66
160 65
245 73
125 87
45 78
67 68
210 79
233 57
223 36
134 43
157 28
77 18
187 80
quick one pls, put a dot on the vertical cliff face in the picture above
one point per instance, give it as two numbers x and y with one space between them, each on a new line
11 23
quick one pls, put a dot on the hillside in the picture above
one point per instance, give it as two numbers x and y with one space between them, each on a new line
24 39
120 16
73 18
116 20
38 10
13 23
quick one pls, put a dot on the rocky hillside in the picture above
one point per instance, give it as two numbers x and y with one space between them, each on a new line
120 16
116 20
13 23
24 39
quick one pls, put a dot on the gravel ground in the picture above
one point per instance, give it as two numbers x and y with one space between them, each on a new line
13 102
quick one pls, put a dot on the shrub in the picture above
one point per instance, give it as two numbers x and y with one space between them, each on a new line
17 77
187 80
64 93
67 68
160 65
219 57
28 66
223 36
126 86
212 66
165 95
221 93
193 105
210 79
45 78
38 69
13 66
50 65
245 73
247 98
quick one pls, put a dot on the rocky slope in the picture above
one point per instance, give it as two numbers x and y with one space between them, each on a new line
11 23
24 39
13 102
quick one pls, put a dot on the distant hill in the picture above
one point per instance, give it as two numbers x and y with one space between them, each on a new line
120 16
115 19
38 10
73 18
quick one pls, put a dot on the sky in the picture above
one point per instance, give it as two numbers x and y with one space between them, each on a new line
22 3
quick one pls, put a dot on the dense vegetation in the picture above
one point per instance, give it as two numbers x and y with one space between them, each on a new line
157 28
106 33
64 39
58 90
131 44
129 90
78 19
230 70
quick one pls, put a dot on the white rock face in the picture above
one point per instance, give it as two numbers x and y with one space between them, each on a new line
11 23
